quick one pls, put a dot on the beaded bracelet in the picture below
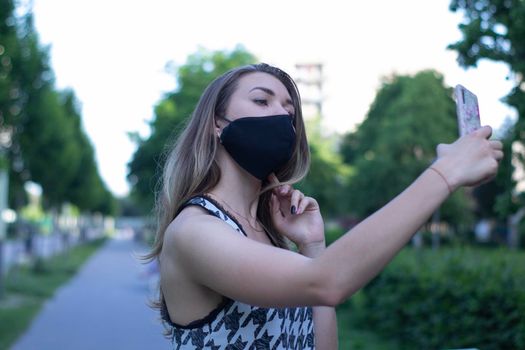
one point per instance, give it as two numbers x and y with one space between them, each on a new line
443 177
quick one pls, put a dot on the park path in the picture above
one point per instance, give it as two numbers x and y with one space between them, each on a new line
103 307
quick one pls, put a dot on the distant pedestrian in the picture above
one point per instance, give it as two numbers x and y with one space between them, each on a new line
28 235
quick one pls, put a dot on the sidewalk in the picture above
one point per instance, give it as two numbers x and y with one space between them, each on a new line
103 307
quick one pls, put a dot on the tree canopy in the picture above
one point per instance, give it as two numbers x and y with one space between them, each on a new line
42 130
495 30
409 117
170 116
327 178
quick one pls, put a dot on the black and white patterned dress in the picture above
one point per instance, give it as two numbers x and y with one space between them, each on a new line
234 325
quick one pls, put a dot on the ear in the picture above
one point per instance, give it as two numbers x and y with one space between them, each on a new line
218 128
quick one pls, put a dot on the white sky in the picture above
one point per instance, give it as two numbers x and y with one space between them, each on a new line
113 54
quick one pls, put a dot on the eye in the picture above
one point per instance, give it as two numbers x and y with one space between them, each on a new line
261 102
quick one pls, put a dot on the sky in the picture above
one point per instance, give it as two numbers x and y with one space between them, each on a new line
114 53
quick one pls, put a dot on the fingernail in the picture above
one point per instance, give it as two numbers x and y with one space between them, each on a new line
293 210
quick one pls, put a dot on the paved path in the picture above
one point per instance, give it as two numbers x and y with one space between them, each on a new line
103 307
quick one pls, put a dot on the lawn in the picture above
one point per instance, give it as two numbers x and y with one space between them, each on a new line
28 287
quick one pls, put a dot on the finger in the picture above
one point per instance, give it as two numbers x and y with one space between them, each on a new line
442 149
295 200
285 190
273 180
484 132
278 190
497 145
498 155
306 203
275 207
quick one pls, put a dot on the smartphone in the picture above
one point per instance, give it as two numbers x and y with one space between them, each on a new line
467 110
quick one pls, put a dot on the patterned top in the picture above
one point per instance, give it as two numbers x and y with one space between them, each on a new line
234 325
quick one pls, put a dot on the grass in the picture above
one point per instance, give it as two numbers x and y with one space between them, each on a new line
28 287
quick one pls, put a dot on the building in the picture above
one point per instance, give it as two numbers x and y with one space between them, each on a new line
309 79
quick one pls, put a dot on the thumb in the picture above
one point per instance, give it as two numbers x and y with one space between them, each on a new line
484 132
443 149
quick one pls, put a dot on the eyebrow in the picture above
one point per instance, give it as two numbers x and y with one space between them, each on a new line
270 92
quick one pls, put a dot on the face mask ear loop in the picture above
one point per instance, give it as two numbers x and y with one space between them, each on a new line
217 125
224 118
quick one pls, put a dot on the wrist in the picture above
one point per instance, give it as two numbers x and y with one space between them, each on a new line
447 174
313 249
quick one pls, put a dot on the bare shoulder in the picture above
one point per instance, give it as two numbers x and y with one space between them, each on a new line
204 258
193 224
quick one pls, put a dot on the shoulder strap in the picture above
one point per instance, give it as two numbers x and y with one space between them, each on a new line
215 209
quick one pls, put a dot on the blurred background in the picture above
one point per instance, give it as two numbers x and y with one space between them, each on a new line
92 92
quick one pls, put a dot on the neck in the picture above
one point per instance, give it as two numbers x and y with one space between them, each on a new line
237 188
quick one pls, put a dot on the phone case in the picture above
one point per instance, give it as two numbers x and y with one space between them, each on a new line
467 110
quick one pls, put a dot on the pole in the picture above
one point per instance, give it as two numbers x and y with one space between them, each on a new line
4 187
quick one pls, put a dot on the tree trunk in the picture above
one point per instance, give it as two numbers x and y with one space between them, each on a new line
513 238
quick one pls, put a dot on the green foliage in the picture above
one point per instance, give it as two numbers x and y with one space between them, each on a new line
47 143
16 319
396 142
494 30
327 177
354 333
450 298
50 155
170 115
521 234
333 233
506 201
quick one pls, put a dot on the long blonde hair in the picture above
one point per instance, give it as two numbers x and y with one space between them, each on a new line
191 167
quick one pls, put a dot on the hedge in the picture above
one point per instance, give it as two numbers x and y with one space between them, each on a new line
450 298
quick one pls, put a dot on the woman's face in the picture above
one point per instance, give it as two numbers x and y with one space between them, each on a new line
257 95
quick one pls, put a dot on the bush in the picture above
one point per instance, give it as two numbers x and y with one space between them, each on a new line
450 298
332 234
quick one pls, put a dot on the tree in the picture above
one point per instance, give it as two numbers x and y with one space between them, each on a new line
495 30
10 104
396 142
327 177
86 190
46 143
170 115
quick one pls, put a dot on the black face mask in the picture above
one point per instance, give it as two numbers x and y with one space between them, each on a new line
260 145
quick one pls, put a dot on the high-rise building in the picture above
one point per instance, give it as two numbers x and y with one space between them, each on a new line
309 79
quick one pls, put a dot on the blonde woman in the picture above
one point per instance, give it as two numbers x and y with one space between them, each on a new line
227 208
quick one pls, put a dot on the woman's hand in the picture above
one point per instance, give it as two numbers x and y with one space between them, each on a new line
297 218
471 160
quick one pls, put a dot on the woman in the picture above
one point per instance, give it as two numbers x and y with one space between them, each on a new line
227 209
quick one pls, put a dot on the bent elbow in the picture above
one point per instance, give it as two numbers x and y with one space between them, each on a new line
331 298
331 294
